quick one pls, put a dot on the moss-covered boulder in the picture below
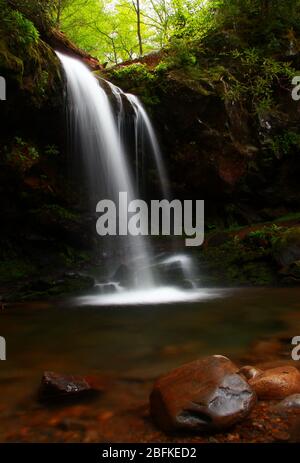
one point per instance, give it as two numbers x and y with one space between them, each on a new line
43 288
26 61
291 273
261 255
286 249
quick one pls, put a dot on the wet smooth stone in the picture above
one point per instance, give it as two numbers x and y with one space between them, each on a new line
55 386
207 394
276 383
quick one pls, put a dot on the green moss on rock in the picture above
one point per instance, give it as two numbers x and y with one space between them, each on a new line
286 249
15 269
44 288
25 58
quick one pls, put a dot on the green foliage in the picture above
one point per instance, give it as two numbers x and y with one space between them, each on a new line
240 262
285 144
42 83
107 30
180 54
193 19
21 155
253 78
150 100
138 76
259 23
285 248
39 12
253 258
161 68
17 32
15 269
20 29
71 257
290 216
27 59
51 151
58 213
135 73
265 237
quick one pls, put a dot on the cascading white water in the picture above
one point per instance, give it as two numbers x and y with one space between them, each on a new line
145 134
97 135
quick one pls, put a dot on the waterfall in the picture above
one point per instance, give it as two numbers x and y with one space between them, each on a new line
97 129
95 134
144 135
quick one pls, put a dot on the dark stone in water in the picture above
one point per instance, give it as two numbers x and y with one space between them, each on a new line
287 247
187 284
105 288
204 395
290 403
291 273
56 387
124 276
173 272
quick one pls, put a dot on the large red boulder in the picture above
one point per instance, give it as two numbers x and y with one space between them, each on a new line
204 395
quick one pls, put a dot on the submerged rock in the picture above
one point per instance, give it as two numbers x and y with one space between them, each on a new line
291 273
106 288
187 284
276 383
290 403
69 283
55 386
124 276
287 248
204 395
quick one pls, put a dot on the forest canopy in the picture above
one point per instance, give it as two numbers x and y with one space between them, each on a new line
120 30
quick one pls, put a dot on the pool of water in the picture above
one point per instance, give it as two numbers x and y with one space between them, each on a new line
80 334
80 337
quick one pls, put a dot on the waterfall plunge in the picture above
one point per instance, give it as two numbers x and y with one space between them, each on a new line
97 135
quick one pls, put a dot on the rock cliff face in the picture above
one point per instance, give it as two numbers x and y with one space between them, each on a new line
244 160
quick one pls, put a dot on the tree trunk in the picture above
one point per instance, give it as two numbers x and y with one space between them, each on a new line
58 15
114 51
138 16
